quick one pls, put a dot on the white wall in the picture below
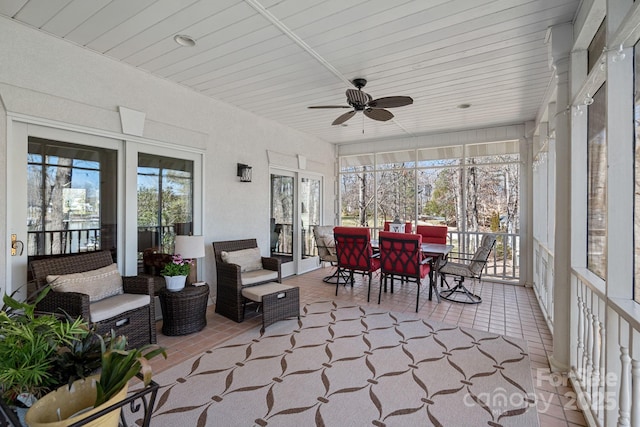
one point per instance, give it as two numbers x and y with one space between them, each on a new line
47 78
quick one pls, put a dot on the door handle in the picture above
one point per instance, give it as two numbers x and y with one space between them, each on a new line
15 244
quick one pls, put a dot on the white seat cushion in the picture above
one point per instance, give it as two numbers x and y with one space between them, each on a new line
255 293
257 276
115 305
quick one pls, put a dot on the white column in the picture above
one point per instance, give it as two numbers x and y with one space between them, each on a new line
526 206
620 159
561 40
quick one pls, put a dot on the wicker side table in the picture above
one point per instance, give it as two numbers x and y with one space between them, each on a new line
185 311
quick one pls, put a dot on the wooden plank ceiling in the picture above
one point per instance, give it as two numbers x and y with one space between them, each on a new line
277 57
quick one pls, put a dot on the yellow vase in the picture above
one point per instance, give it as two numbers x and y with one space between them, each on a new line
82 395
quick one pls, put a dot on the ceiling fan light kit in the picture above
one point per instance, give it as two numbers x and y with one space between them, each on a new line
374 109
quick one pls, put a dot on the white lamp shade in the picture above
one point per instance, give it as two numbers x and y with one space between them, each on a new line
189 247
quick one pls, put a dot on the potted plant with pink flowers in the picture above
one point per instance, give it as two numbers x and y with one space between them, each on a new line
175 272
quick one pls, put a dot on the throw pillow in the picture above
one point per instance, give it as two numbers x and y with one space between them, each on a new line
98 284
247 259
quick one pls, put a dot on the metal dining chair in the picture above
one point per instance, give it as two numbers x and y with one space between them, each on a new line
326 245
401 256
471 269
353 247
433 233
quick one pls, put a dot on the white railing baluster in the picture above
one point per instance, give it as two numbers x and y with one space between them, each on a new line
589 350
635 392
605 362
580 348
550 285
625 398
596 398
603 371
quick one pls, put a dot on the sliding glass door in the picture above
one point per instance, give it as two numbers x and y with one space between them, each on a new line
295 210
75 198
165 201
71 198
283 219
310 212
63 193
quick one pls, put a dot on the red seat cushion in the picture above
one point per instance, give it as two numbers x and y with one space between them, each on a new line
353 248
401 254
433 233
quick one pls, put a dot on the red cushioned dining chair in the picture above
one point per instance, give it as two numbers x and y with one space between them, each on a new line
401 255
353 247
433 233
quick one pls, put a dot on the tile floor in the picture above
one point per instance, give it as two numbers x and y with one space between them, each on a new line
505 309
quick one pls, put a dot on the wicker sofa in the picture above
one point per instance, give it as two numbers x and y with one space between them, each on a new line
131 312
231 278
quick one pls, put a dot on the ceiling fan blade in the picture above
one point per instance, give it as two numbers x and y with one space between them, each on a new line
378 114
343 118
329 106
357 97
391 101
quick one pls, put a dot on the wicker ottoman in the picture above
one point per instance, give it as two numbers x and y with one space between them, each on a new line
278 301
184 312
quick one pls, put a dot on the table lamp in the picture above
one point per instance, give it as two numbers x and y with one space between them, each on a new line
190 247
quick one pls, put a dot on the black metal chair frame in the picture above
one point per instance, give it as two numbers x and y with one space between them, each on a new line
460 289
323 254
412 247
360 247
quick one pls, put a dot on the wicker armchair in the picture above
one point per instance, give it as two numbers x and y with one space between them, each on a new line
137 324
231 280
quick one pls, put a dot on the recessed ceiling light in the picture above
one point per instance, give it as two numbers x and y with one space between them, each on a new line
184 40
463 106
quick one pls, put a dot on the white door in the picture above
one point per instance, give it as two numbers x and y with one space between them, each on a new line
93 209
295 209
310 208
283 187
56 184
17 209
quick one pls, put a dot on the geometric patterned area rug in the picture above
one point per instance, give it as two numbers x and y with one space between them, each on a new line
347 365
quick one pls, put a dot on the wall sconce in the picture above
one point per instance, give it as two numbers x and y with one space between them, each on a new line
244 172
